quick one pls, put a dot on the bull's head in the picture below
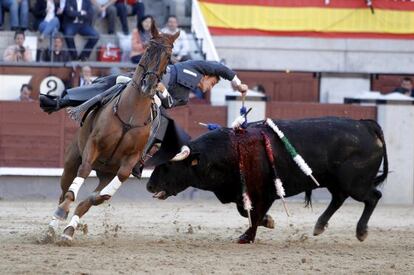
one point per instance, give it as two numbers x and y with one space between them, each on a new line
174 176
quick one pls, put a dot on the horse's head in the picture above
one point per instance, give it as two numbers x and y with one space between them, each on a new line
155 59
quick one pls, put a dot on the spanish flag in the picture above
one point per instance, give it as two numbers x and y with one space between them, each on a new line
320 18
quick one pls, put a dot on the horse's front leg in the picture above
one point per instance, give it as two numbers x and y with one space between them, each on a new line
84 206
90 154
72 162
99 197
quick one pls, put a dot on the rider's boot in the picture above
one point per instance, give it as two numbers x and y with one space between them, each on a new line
51 104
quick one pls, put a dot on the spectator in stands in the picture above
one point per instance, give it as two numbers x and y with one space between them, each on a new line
57 53
23 14
18 52
25 93
19 13
140 38
78 15
132 7
50 24
106 9
85 76
406 87
181 50
13 8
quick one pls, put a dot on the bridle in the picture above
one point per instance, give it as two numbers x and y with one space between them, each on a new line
157 46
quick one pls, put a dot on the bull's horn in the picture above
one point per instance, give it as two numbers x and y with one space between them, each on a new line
185 152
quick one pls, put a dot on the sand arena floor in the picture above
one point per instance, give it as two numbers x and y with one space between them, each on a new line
197 237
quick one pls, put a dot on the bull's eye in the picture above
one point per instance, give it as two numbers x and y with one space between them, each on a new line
194 162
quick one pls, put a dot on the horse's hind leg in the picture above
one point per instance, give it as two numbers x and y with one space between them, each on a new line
90 154
84 206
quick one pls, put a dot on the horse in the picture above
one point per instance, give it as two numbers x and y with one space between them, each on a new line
112 138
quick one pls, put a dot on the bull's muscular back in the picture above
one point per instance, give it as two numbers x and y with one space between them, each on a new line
337 150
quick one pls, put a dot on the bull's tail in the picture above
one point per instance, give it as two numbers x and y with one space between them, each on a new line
308 198
380 134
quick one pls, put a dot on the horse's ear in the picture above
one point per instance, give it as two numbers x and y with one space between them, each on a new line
175 36
154 30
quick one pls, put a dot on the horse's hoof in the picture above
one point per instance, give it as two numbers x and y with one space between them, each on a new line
319 229
65 240
361 236
61 214
49 237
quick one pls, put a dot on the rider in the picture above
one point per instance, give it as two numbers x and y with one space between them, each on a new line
173 90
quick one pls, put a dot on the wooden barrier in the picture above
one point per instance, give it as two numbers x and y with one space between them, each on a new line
298 110
32 138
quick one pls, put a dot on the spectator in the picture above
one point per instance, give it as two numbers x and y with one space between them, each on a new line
13 8
85 76
406 87
181 48
23 14
78 15
25 93
50 24
17 52
140 38
106 9
132 7
57 53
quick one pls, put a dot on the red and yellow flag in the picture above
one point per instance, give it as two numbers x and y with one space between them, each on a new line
321 18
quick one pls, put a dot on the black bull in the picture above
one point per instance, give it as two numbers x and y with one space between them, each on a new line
344 154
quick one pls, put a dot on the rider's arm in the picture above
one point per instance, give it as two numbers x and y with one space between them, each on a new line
166 99
218 69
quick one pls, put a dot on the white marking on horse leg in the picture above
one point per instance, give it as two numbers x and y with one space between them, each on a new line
73 222
111 188
76 185
54 223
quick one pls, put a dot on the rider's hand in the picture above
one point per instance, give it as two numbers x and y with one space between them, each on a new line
242 88
160 87
238 85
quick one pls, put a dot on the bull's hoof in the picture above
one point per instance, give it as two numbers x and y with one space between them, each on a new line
245 239
319 229
362 235
270 222
49 236
61 214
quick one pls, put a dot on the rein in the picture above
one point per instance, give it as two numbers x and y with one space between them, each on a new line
126 126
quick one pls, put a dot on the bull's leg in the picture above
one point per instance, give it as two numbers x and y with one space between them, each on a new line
71 165
90 154
267 220
370 204
84 207
257 215
337 200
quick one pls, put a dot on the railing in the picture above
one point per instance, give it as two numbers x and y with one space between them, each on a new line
200 29
38 48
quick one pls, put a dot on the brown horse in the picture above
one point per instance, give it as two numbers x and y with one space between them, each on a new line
112 138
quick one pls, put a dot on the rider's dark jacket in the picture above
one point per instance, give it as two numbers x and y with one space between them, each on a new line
179 80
